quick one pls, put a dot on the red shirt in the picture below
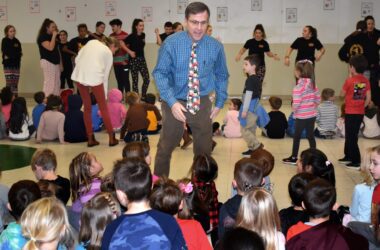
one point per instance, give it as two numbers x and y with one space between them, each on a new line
194 235
376 195
296 229
121 56
356 88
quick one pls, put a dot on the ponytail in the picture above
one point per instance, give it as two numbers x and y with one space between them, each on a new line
313 31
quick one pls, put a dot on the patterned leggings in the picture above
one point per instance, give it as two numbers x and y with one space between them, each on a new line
261 72
139 64
12 75
52 75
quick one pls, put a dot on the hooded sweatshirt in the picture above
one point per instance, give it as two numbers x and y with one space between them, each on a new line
116 109
75 130
228 213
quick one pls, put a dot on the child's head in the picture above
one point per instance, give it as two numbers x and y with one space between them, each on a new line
166 196
133 180
9 31
17 115
315 162
43 160
251 63
265 160
327 94
83 168
240 239
375 163
275 102
358 64
96 215
47 188
258 212
20 195
297 185
235 104
305 69
137 149
107 184
45 221
6 95
39 97
53 102
132 98
115 96
150 98
187 189
204 168
319 198
247 175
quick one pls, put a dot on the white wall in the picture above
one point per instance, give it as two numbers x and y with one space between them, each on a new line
332 25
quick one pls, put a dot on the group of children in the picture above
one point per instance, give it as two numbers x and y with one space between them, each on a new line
130 208
60 117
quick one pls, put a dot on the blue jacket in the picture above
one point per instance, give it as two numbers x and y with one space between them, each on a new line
256 108
97 121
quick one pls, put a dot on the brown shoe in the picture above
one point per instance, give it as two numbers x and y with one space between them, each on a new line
112 140
187 143
213 145
91 142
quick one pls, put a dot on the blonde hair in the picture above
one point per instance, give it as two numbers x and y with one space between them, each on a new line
366 164
110 41
45 220
258 212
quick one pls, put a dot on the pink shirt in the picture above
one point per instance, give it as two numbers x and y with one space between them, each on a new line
232 128
6 109
51 126
305 99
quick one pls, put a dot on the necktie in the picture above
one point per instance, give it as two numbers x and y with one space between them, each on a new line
193 96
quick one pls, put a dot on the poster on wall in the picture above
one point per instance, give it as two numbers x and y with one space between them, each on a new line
222 14
291 15
256 5
34 6
3 13
147 14
110 8
181 6
328 4
367 9
71 14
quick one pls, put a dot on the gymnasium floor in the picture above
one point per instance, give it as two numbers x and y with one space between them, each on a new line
226 153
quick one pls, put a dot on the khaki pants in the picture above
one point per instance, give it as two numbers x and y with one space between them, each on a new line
249 132
172 131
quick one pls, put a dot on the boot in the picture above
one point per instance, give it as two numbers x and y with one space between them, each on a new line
187 140
112 140
91 142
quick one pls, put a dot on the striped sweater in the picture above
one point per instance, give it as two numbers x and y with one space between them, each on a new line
305 99
327 117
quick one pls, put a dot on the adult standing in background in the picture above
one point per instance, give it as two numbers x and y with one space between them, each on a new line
177 27
306 46
136 43
120 59
50 57
67 63
373 73
92 69
258 46
11 52
99 31
184 87
160 38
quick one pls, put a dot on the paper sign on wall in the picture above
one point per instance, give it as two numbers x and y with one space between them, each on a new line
147 14
110 8
256 5
3 13
222 14
71 14
367 9
291 15
34 6
328 4
181 6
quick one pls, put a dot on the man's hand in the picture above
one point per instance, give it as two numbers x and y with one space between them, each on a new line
177 111
214 113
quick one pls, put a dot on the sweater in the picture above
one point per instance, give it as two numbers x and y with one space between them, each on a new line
305 99
116 109
327 116
51 126
232 124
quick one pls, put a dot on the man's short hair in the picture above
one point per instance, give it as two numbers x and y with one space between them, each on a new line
247 174
133 177
44 158
297 185
81 25
116 22
359 62
196 8
168 24
99 23
275 102
319 198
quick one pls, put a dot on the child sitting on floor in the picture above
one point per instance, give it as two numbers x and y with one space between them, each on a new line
278 124
327 115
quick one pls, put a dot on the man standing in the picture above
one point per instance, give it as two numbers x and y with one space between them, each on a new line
185 87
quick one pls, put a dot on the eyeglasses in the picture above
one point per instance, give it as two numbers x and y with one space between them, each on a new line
197 23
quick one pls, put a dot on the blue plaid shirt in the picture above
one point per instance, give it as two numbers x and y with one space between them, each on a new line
172 70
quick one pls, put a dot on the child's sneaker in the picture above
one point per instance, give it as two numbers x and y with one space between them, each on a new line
247 153
344 160
290 160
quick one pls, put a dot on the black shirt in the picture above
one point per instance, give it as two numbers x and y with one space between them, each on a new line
163 36
253 84
289 217
277 125
77 43
257 47
306 48
12 49
136 43
66 57
51 56
373 48
354 44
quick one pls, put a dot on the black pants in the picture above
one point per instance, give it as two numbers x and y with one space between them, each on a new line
122 78
375 89
299 126
66 77
352 126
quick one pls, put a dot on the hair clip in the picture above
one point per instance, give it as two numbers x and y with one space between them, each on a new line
305 61
187 189
328 163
